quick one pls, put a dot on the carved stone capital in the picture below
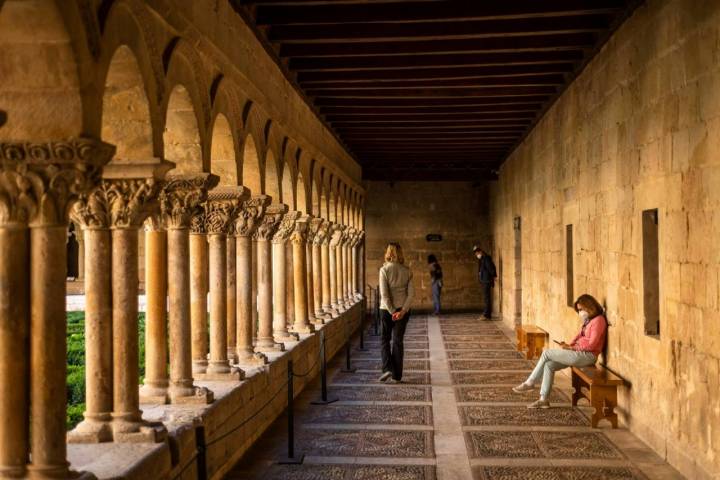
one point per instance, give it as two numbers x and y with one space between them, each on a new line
270 221
286 227
299 234
223 207
359 236
336 234
250 215
39 181
154 223
319 229
181 195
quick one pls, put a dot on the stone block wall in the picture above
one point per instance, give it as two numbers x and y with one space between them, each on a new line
406 212
639 129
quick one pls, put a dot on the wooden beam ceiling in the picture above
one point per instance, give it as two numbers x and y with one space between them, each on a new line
432 89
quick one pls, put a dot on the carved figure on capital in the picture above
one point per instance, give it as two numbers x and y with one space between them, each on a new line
322 235
250 215
286 227
270 222
300 231
336 234
221 209
181 196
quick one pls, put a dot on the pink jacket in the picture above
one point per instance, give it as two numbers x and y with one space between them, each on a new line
592 337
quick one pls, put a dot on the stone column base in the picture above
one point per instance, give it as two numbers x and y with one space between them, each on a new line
191 396
125 431
91 431
253 360
235 375
275 347
232 355
282 337
153 394
303 329
199 366
39 473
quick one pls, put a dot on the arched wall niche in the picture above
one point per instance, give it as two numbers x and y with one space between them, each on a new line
126 120
34 42
286 187
222 152
182 143
301 194
272 179
251 172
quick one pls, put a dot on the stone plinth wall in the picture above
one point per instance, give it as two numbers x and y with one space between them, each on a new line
234 404
639 129
406 212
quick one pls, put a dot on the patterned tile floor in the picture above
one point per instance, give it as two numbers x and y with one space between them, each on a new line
455 417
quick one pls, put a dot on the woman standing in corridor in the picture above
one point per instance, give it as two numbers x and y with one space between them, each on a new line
436 282
396 291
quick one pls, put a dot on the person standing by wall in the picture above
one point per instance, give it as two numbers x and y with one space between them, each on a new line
436 282
486 275
396 292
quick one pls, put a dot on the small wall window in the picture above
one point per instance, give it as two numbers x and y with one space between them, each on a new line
651 276
569 267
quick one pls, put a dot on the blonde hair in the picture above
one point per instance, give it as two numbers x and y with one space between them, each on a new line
394 253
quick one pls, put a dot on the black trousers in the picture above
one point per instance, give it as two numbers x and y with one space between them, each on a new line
391 343
487 296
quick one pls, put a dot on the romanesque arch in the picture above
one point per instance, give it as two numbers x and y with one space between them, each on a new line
222 151
251 173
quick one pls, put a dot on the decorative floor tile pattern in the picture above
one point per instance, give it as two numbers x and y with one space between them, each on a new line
556 445
370 414
411 378
309 471
478 346
408 345
482 378
557 473
367 443
476 338
491 365
471 354
374 353
377 365
398 393
504 394
522 416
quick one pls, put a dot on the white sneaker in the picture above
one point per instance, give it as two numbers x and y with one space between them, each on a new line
385 376
393 381
523 387
540 403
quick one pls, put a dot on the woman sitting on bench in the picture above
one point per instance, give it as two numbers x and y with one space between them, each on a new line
583 351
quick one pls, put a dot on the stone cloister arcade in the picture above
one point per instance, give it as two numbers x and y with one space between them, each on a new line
142 135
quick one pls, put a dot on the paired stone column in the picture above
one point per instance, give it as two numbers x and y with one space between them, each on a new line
279 278
231 315
312 287
80 237
298 239
344 247
319 228
199 288
40 183
179 201
246 223
220 212
336 271
357 278
328 271
264 234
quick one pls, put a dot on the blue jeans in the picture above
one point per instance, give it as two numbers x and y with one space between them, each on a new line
554 360
436 290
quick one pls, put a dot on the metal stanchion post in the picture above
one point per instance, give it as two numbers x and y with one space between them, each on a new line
291 459
201 460
323 375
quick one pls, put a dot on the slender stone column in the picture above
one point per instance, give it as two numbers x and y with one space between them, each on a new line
279 278
90 214
357 280
336 269
314 288
179 201
246 224
81 255
298 239
40 182
320 272
345 270
155 386
328 272
265 232
221 209
231 315
361 265
199 292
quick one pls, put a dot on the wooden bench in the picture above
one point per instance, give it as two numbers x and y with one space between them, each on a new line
599 386
530 340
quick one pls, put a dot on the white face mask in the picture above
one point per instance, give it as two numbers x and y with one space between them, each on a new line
583 315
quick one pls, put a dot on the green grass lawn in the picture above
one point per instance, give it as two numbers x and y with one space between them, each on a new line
76 364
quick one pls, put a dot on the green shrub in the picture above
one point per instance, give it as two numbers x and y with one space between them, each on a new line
74 415
76 386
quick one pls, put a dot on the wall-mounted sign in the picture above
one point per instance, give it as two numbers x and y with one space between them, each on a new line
433 237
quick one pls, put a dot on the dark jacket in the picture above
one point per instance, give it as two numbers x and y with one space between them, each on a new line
486 270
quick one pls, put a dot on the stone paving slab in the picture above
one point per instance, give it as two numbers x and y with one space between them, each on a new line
504 394
556 473
416 365
491 365
367 443
472 354
380 393
412 378
370 414
481 378
408 345
374 353
476 337
568 445
308 471
479 346
522 416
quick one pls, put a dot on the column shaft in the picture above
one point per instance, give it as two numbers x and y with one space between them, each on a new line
339 278
309 283
14 349
218 305
279 292
334 275
231 316
198 301
243 252
317 279
301 324
265 339
326 276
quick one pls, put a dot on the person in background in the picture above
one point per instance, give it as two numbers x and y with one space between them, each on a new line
436 282
486 275
582 351
396 292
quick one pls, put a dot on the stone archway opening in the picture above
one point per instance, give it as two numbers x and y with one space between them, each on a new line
222 152
182 135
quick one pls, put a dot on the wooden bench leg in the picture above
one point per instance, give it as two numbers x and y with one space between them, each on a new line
576 384
603 400
530 354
